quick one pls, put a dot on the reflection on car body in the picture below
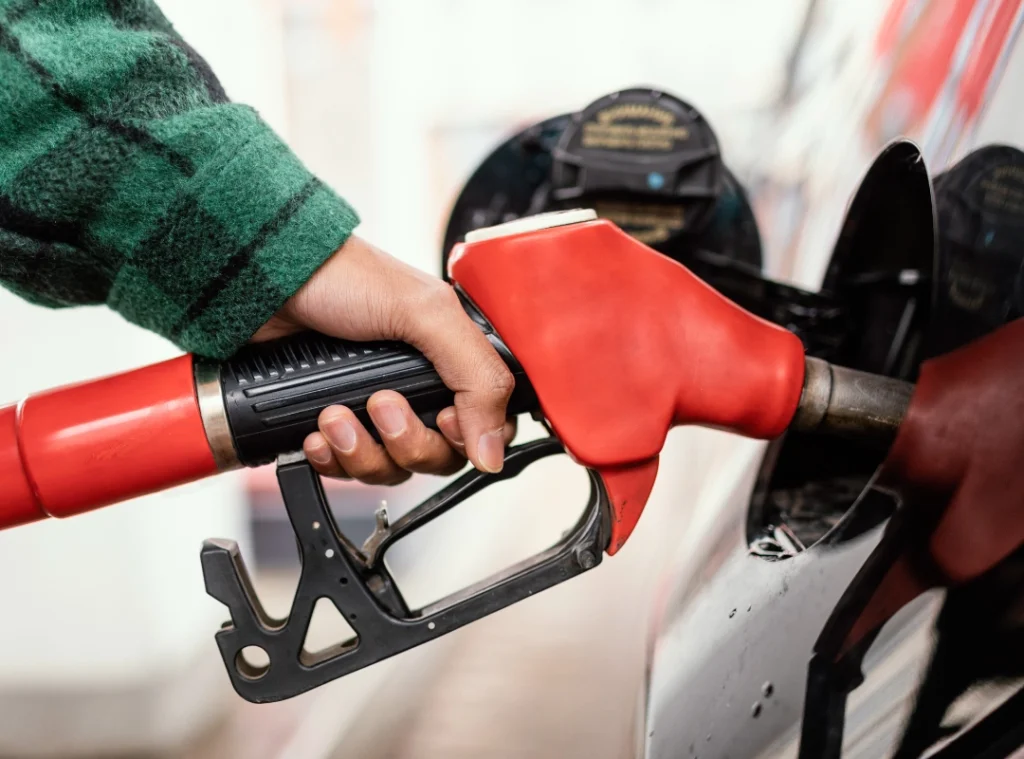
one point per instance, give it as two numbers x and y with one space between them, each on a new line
782 566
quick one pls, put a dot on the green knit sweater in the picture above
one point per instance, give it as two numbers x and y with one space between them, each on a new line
127 178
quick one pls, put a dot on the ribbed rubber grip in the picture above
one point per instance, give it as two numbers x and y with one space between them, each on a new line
274 392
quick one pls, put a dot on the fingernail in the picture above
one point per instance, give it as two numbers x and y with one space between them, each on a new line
341 433
491 451
449 425
389 419
321 454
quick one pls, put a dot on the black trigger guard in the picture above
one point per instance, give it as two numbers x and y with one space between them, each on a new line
361 587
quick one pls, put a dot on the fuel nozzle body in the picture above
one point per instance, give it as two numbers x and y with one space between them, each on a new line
610 341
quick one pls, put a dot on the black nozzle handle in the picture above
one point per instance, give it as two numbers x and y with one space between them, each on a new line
273 392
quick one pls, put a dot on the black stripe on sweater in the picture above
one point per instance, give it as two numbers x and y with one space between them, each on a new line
28 224
138 14
241 258
142 15
18 10
48 232
213 86
146 141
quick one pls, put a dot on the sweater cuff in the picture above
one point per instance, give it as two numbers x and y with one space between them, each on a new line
246 231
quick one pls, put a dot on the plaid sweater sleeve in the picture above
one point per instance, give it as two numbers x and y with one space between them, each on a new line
127 178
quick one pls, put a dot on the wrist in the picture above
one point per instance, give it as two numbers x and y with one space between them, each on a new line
289 318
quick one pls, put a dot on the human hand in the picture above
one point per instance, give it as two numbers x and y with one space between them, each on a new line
361 293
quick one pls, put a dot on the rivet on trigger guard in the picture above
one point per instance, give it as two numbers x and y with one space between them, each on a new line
586 559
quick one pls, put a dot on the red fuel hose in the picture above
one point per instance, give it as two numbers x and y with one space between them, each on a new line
84 446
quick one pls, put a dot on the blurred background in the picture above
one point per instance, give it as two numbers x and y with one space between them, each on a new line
106 646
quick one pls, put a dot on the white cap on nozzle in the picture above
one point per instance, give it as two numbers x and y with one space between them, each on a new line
532 224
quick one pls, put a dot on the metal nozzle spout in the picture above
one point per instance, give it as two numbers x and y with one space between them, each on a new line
851 403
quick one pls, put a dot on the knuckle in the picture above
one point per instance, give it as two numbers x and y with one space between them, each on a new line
500 380
324 469
388 477
377 468
435 296
362 467
376 478
454 464
429 302
443 295
415 456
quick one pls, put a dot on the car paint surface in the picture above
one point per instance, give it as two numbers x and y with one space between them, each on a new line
733 632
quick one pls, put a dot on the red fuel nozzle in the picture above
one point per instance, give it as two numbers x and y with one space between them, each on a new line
622 343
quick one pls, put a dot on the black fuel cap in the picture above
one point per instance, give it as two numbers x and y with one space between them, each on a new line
643 159
648 161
